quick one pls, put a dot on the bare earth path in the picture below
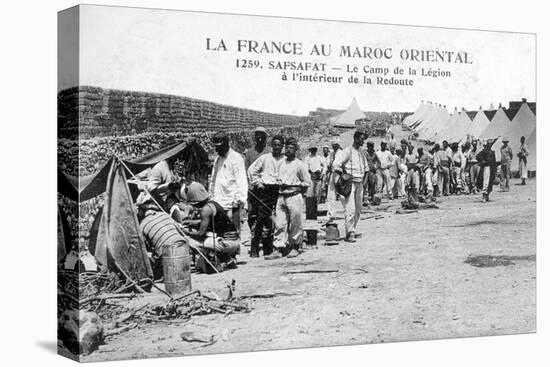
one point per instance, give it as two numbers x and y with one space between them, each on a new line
407 278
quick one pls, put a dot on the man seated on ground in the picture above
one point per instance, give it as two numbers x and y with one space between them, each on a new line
159 231
216 235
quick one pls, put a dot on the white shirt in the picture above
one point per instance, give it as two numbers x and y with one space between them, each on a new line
293 173
265 170
385 158
314 163
353 161
228 183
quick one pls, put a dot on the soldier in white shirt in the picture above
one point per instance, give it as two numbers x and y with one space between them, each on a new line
383 173
228 182
264 178
315 167
294 181
352 165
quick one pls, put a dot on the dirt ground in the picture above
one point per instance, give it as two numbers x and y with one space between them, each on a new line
465 269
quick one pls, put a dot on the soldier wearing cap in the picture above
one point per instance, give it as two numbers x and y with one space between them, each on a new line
158 230
331 192
325 158
506 157
214 232
228 181
260 147
294 181
371 184
522 155
163 185
250 156
352 166
488 166
315 167
264 176
383 173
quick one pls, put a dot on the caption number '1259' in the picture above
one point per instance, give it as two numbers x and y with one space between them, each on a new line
250 64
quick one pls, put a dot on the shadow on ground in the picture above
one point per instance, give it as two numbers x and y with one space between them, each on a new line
489 261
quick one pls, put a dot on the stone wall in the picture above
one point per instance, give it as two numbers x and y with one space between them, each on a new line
109 112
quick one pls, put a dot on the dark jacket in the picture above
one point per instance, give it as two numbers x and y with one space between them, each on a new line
486 159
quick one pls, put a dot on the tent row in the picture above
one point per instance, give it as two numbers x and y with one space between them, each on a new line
433 123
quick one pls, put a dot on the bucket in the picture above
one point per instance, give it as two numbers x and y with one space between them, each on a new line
311 235
176 268
333 234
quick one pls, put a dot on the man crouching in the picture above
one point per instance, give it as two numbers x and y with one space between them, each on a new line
214 234
159 231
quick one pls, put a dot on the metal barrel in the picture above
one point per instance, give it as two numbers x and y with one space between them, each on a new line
176 268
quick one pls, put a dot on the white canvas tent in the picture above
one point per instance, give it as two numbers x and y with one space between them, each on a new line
421 119
479 124
347 118
498 126
532 148
411 119
522 124
458 129
439 122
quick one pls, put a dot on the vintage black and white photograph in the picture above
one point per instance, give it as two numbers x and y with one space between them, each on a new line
237 183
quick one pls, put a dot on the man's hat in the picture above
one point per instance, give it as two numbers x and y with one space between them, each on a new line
194 193
312 146
505 140
260 129
220 138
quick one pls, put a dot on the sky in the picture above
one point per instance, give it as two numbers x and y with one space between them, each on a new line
165 52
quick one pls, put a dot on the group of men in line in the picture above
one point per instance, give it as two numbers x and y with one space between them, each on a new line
270 181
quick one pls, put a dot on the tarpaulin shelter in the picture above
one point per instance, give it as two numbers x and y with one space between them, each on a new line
119 245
